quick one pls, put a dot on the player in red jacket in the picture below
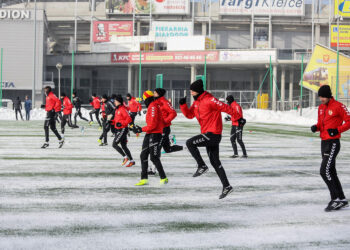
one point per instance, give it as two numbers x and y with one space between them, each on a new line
58 110
50 120
121 121
67 113
152 141
207 109
237 129
134 108
333 119
96 105
169 114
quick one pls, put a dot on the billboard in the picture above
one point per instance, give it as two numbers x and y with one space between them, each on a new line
171 29
180 7
344 35
104 30
161 57
342 7
263 7
17 47
258 55
322 70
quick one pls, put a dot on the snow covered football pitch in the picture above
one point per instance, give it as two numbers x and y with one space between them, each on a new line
79 197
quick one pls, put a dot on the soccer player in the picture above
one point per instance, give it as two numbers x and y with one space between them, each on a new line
67 113
169 114
50 120
58 110
121 121
333 119
207 109
237 129
96 104
108 111
134 107
151 145
77 104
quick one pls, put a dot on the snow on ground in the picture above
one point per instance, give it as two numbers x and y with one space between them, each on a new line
79 197
252 115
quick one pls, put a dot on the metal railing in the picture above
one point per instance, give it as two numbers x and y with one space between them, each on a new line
293 54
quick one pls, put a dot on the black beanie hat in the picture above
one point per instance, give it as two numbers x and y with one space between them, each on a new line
62 94
119 98
197 86
325 91
230 99
128 95
161 92
105 96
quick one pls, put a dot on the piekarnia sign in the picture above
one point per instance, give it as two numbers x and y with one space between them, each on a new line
263 7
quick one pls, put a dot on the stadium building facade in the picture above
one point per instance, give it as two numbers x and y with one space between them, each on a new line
236 40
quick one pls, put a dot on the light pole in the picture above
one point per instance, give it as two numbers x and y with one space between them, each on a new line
59 67
34 58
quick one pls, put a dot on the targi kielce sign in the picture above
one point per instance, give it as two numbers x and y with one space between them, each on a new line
262 7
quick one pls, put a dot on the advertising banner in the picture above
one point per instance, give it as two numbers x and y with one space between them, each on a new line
104 30
181 7
263 7
322 70
342 8
171 57
257 55
172 29
344 35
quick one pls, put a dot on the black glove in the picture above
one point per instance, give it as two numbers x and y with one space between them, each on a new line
242 122
139 113
137 129
145 112
42 106
182 101
314 128
227 118
118 124
333 132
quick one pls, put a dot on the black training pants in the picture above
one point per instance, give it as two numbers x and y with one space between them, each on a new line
106 127
236 134
58 116
166 142
20 112
66 119
121 138
50 121
133 116
151 146
329 151
211 142
78 113
97 115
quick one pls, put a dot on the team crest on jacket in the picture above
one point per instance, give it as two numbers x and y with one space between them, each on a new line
330 112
